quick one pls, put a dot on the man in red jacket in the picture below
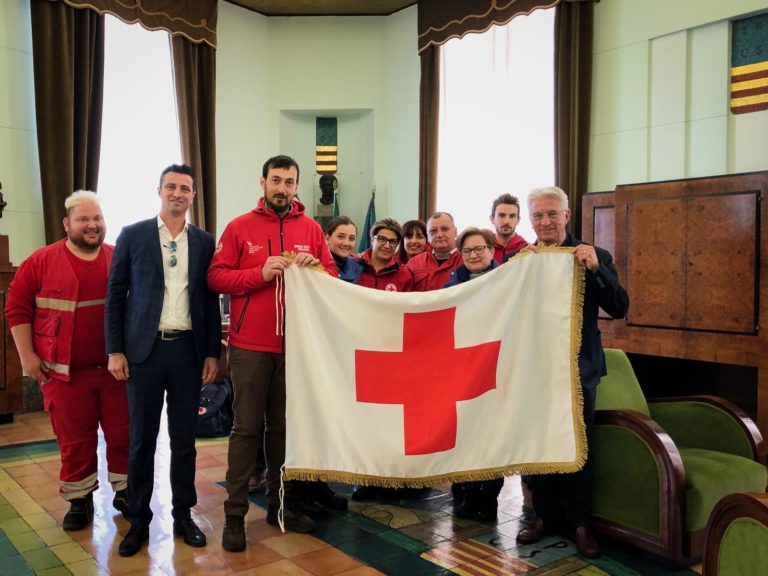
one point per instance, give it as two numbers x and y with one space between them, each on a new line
55 308
249 265
432 268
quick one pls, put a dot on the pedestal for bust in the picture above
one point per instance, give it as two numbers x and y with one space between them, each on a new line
323 214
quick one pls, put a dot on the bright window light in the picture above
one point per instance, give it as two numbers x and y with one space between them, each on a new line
496 130
140 131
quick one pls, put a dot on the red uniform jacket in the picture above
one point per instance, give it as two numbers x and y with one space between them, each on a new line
44 294
256 306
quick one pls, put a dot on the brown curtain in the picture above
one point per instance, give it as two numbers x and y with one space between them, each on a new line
439 21
429 108
195 21
68 57
194 73
573 101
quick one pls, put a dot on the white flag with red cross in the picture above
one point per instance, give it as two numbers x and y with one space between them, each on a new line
413 389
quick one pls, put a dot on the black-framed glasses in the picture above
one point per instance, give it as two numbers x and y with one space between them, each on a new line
384 240
476 249
172 261
551 215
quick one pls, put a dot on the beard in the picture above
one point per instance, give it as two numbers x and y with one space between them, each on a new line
282 205
86 245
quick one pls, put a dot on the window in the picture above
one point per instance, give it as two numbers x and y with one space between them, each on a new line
496 130
140 133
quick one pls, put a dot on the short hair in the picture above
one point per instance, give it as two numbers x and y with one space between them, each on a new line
388 224
438 214
180 169
80 197
488 236
548 192
280 161
334 223
505 199
408 229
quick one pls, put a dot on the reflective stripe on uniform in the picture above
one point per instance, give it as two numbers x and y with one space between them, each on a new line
79 488
86 303
55 304
58 368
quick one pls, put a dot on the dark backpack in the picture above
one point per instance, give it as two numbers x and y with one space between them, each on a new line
215 415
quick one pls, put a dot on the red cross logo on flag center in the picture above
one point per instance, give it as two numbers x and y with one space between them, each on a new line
428 378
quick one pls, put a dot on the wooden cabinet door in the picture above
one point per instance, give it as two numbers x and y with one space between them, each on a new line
656 232
722 266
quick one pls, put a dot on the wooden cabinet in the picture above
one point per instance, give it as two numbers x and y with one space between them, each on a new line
693 255
11 386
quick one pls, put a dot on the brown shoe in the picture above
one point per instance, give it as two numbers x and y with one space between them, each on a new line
532 533
586 543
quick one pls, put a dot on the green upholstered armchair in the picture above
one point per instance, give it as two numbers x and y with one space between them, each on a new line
661 467
737 536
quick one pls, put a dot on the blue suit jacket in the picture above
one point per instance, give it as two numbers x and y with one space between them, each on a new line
136 288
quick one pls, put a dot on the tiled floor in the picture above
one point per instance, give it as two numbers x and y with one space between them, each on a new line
418 536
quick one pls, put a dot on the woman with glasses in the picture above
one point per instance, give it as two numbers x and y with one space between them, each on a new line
476 248
380 269
475 500
414 241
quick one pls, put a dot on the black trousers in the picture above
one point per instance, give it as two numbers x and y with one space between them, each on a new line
567 496
173 372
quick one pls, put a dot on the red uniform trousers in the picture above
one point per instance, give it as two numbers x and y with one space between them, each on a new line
91 397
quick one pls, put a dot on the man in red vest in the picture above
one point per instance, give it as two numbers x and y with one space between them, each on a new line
55 308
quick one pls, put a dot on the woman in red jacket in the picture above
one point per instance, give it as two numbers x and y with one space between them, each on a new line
414 241
380 269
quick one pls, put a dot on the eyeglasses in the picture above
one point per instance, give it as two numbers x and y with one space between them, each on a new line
172 247
384 240
476 250
551 215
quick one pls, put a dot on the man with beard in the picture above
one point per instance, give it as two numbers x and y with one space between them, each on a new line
55 307
505 216
163 332
249 264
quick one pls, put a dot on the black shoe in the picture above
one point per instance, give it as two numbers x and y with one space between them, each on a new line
187 528
469 507
120 502
306 505
321 493
80 513
134 540
365 492
233 537
486 510
293 519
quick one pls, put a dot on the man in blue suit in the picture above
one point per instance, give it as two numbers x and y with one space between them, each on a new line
163 334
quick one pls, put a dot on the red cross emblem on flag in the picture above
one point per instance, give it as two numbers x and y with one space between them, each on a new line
428 377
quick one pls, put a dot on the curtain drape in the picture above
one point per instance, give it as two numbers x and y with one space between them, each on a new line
68 52
194 73
429 109
440 21
195 21
574 23
68 59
